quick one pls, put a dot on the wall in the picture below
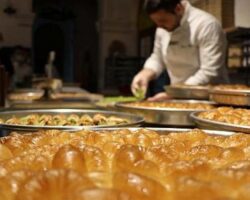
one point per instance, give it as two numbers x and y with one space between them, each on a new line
241 11
86 42
16 29
242 14
117 21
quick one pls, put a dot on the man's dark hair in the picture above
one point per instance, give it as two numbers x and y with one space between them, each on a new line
152 6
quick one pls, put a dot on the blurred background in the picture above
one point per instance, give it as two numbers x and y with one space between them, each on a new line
101 44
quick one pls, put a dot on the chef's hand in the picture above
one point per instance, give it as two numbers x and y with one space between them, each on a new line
159 97
141 80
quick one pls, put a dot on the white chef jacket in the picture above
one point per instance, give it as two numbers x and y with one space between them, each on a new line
194 53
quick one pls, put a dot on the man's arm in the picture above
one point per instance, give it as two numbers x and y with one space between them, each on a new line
155 61
152 67
212 48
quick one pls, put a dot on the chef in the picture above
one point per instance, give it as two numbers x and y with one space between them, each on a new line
189 44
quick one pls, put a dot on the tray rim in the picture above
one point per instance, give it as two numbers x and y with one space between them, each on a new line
197 92
137 119
220 125
121 105
229 92
188 87
172 130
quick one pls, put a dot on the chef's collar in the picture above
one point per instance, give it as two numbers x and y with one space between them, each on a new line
187 7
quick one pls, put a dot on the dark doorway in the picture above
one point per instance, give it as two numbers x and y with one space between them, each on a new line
77 43
48 38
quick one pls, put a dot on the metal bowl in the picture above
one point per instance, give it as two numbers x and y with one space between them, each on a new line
188 92
133 119
164 116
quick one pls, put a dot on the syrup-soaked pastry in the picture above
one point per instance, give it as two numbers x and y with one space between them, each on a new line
63 120
69 157
103 194
101 179
236 116
95 158
72 120
86 120
54 184
139 187
124 164
192 189
13 120
27 162
45 120
5 152
146 168
204 152
9 184
126 157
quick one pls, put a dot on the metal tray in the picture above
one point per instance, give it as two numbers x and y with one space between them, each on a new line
230 97
214 125
134 120
25 95
70 96
164 116
188 92
52 104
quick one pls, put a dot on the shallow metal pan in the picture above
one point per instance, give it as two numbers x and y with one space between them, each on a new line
133 119
214 125
25 95
164 116
230 97
188 92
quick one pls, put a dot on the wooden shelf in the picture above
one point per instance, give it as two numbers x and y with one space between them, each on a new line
237 34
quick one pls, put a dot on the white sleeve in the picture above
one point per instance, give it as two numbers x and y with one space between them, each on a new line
212 50
155 61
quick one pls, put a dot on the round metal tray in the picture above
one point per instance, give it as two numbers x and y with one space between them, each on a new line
230 97
214 125
164 116
133 119
25 95
188 92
